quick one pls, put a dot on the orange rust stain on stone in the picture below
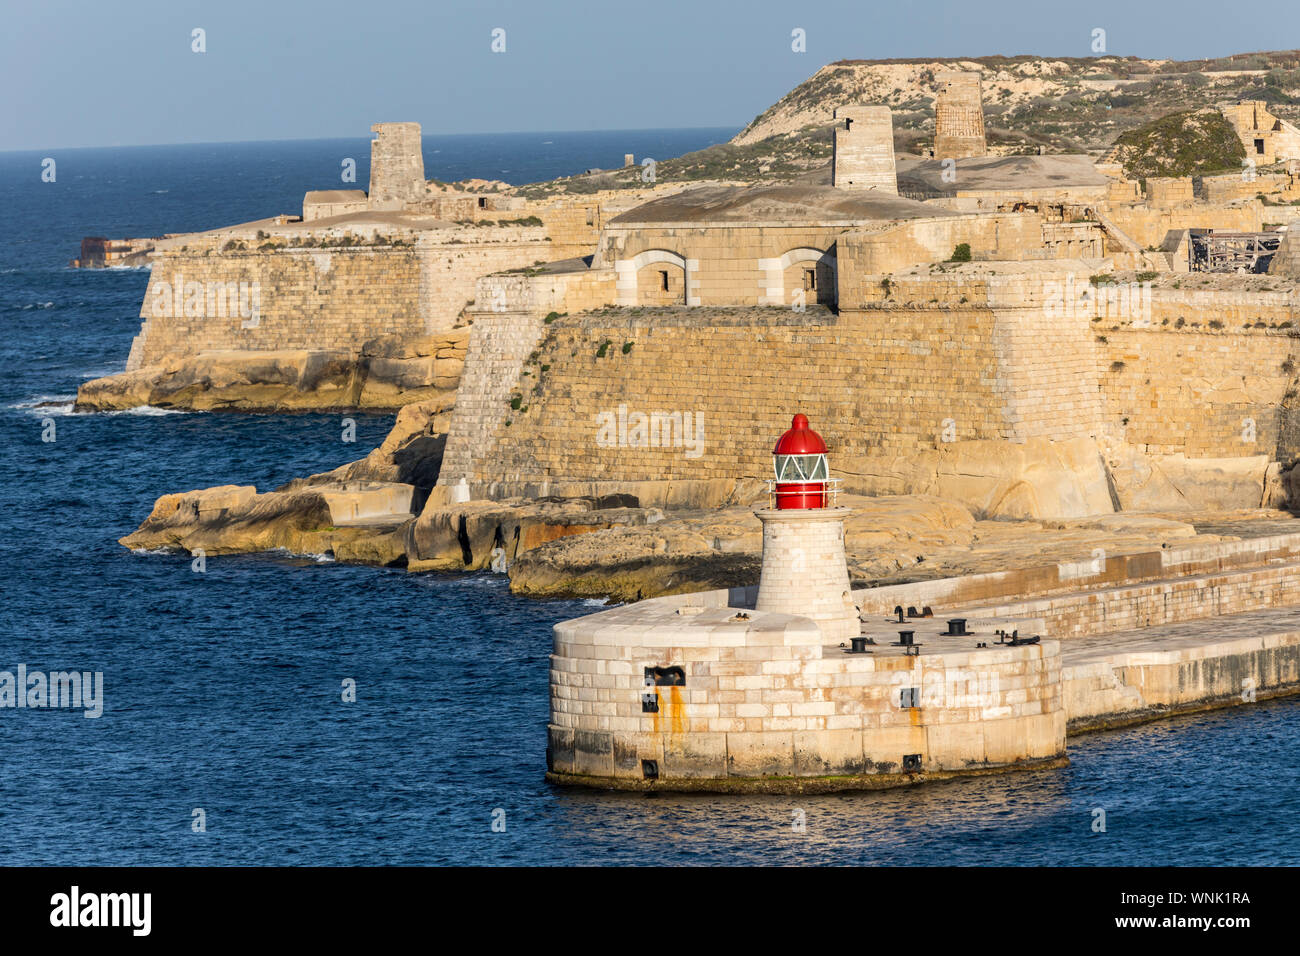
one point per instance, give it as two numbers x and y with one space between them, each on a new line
536 535
679 709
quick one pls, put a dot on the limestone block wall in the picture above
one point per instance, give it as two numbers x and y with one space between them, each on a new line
1169 190
721 265
884 383
863 153
396 165
1001 588
764 697
1124 191
1074 240
326 297
1182 385
1043 357
1148 225
1221 189
1047 368
924 358
1012 200
321 204
451 261
894 248
498 345
1172 601
958 116
573 227
1097 692
332 299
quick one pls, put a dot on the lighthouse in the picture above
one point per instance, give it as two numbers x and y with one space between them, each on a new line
804 568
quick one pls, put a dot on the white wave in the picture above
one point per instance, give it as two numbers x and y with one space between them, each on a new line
148 410
43 405
122 268
157 552
319 558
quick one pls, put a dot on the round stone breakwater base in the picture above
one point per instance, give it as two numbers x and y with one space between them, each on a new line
783 785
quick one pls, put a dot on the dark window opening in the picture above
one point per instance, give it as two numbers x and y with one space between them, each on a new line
663 279
674 676
482 202
810 280
1259 146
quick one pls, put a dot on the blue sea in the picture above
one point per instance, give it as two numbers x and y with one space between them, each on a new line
223 689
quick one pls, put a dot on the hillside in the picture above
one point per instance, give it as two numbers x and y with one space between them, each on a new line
1188 143
1062 105
1067 105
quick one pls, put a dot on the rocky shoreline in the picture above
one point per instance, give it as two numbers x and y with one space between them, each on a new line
385 510
388 373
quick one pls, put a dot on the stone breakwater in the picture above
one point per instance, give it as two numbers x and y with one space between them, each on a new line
707 692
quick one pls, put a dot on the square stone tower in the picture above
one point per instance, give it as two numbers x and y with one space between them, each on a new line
396 165
864 149
959 116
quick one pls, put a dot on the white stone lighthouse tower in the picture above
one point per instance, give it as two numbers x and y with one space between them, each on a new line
804 568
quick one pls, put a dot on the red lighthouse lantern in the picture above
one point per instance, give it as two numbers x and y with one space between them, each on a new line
802 476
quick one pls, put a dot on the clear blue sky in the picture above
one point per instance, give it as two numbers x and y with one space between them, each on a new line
121 72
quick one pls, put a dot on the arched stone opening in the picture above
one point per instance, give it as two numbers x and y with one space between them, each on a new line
806 270
653 277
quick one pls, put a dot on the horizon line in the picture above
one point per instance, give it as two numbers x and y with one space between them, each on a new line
368 134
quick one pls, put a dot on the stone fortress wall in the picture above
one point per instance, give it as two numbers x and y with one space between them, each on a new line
400 262
900 353
912 365
330 297
1012 381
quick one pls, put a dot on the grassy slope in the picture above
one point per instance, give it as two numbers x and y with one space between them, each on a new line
1062 104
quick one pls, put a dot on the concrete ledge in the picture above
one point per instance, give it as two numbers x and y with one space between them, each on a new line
779 785
1091 724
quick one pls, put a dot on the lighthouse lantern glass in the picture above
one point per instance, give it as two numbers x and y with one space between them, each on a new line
800 467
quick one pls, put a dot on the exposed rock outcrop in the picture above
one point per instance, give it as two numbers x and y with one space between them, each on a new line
387 374
233 519
995 479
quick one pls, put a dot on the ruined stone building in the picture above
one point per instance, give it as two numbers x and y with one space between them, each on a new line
864 149
1267 138
959 116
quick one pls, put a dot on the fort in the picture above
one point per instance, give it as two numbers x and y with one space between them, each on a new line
1061 399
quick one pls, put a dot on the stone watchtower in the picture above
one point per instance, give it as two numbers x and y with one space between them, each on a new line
864 149
959 116
396 166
